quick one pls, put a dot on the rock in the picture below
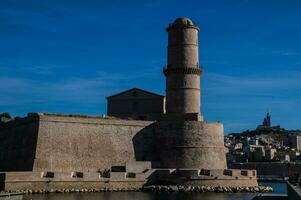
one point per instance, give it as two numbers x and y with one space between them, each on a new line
219 189
174 188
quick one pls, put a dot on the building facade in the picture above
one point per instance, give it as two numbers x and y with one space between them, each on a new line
295 142
136 103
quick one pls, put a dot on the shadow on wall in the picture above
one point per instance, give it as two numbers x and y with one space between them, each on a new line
2 181
18 144
144 144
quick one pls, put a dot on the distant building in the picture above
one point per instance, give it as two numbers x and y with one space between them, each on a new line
294 155
239 156
270 153
238 146
136 103
253 141
295 142
267 120
255 153
266 124
282 156
250 141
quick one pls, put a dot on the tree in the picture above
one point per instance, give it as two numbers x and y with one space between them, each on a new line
6 115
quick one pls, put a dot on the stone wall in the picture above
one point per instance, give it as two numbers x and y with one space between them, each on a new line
271 168
34 181
190 144
69 143
182 72
13 181
294 193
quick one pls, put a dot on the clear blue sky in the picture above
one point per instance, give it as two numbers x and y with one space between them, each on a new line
63 56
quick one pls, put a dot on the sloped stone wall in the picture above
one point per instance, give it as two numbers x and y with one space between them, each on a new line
48 142
84 144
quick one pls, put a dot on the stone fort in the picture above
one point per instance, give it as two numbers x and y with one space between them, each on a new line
176 143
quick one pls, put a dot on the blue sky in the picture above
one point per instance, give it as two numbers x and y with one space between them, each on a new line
62 56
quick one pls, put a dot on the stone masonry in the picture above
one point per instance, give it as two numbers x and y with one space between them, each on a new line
183 138
60 143
183 71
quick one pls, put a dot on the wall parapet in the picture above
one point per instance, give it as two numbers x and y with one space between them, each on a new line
40 180
71 118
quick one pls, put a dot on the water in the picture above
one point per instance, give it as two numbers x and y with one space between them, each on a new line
279 188
141 196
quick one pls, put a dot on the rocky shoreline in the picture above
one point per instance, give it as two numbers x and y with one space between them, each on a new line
158 188
179 188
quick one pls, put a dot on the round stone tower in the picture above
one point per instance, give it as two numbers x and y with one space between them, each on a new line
183 71
183 139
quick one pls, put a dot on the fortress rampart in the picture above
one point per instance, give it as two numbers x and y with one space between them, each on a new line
48 181
191 144
60 143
